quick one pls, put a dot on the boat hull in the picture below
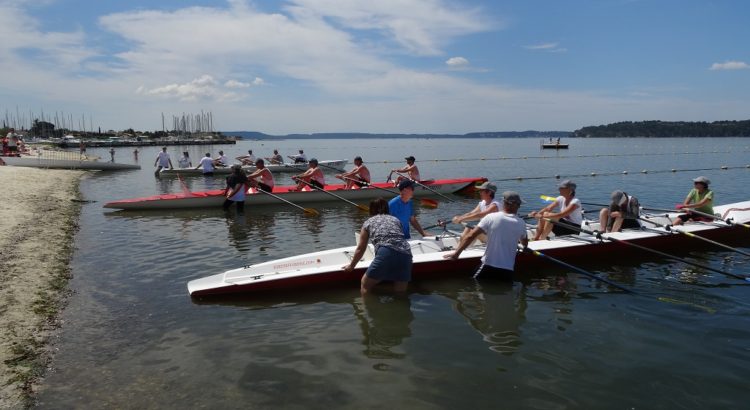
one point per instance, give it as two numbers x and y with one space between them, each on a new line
555 146
328 165
215 198
324 268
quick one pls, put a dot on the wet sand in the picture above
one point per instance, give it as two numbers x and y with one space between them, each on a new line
38 218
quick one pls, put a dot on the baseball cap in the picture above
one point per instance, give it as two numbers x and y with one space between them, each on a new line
617 197
406 183
512 197
567 184
488 186
702 180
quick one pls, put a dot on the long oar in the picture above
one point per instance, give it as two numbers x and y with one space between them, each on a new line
670 228
307 211
726 221
362 207
577 269
426 187
643 248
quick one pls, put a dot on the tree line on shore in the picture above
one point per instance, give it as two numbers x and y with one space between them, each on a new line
662 129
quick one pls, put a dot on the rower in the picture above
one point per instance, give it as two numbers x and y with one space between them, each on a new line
266 178
569 212
207 164
185 161
221 160
486 206
699 198
248 159
300 158
359 176
276 159
504 231
313 176
410 169
623 213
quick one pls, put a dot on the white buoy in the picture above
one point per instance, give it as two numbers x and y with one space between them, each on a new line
624 172
593 174
645 171
724 167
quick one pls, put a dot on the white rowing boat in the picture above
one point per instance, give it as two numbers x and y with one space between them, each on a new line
324 268
54 163
327 165
215 198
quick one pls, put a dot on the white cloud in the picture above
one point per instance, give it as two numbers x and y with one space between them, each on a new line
259 81
548 47
236 84
457 62
730 65
203 87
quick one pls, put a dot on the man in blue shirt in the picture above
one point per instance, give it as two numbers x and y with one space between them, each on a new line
402 208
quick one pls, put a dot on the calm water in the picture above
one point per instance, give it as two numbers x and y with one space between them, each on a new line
133 338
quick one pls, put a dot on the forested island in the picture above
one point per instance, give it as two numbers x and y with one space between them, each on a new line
661 129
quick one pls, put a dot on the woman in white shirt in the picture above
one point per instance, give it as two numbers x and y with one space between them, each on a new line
567 218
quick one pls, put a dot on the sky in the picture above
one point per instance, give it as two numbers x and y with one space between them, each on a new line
380 66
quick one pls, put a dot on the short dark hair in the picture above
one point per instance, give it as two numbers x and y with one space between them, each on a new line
379 207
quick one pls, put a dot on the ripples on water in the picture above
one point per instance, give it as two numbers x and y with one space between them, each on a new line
133 338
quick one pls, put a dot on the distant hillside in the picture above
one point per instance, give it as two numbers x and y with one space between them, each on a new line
660 129
362 135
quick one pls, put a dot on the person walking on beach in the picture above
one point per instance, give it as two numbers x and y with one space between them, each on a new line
402 207
359 176
504 230
163 161
207 164
393 258
12 142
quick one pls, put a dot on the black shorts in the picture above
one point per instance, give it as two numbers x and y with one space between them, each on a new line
208 174
316 184
491 272
627 223
565 227
361 183
265 188
13 149
694 218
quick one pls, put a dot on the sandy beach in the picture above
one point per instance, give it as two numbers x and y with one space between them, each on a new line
39 218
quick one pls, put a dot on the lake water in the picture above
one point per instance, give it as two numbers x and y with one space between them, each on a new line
133 338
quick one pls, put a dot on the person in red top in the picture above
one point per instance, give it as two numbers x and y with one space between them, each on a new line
313 176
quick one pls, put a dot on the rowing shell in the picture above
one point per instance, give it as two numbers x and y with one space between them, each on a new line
290 168
215 198
324 268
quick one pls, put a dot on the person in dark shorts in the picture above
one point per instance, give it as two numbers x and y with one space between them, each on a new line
622 213
266 178
567 219
504 230
313 176
359 176
699 198
393 258
236 188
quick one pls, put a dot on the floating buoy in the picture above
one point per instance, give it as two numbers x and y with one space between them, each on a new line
558 176
519 178
593 174
481 159
645 171
624 172
724 167
674 170
525 157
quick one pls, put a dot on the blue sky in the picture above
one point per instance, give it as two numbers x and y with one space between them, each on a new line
411 66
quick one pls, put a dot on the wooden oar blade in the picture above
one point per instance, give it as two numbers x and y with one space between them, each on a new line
428 203
311 211
364 208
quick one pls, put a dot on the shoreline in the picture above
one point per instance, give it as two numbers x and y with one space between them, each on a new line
40 218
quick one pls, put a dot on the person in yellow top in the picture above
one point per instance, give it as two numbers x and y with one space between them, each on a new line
700 198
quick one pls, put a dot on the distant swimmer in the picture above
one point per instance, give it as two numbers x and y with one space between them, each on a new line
359 176
162 160
411 170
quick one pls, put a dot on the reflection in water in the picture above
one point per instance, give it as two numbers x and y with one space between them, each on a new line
496 310
385 323
244 225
